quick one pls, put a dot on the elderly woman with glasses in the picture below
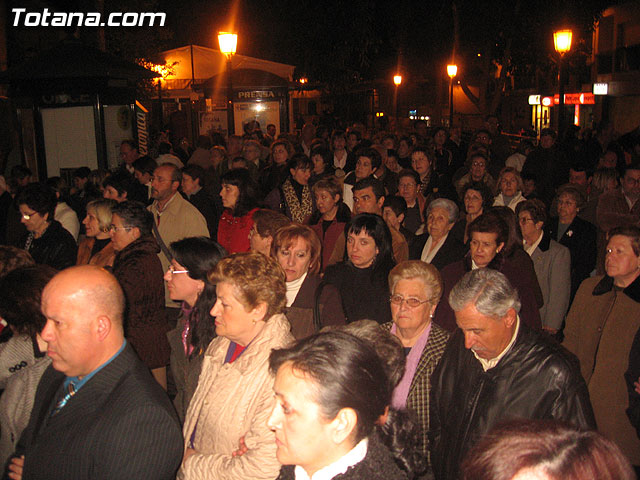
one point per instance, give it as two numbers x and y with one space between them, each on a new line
416 288
139 272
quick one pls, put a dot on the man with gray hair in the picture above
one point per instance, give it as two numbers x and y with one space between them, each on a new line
495 368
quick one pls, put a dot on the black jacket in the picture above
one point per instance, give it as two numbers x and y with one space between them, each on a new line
536 379
378 464
452 250
580 239
56 247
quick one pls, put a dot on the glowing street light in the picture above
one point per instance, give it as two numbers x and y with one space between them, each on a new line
228 43
562 41
562 44
452 71
397 80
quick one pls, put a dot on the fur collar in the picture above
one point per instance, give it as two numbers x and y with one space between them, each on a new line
606 285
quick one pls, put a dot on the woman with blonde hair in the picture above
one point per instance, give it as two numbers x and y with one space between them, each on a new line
97 248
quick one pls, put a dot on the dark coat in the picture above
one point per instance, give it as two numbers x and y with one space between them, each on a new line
452 250
329 240
451 274
300 313
363 296
208 208
536 379
56 247
185 371
139 272
119 425
580 239
378 464
631 375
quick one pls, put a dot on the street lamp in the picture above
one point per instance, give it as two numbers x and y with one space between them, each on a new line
397 81
228 43
452 71
562 44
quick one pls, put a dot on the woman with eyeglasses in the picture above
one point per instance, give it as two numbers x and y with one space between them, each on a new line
47 241
186 277
139 272
416 288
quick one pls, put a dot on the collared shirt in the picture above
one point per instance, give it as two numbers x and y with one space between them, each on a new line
630 202
79 383
532 248
158 213
488 364
427 253
353 457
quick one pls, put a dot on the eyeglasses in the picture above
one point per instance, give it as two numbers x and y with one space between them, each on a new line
524 220
173 271
116 229
27 216
411 302
478 164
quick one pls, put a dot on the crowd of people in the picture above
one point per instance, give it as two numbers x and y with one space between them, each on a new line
346 304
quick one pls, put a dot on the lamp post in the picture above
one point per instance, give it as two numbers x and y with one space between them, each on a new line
452 71
397 81
562 44
228 43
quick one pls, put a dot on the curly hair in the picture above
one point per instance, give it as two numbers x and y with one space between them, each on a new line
256 279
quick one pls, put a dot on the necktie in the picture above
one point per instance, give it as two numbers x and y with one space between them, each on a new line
71 391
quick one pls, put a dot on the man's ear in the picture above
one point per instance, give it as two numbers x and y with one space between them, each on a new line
103 327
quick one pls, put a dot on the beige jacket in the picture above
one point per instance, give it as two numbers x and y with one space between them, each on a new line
235 400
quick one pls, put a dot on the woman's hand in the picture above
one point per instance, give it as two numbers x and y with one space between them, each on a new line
242 449
15 468
187 453
637 386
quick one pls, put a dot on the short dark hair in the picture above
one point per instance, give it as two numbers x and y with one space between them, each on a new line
248 197
133 145
347 373
324 153
371 153
38 197
196 172
630 231
145 164
299 160
203 141
164 148
483 189
20 294
548 132
374 183
409 172
374 226
397 204
487 223
12 258
81 172
121 182
135 214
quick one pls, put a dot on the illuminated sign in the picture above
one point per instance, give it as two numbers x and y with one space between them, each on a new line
600 88
584 98
547 101
534 99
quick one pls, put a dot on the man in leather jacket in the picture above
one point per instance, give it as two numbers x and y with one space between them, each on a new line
496 368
